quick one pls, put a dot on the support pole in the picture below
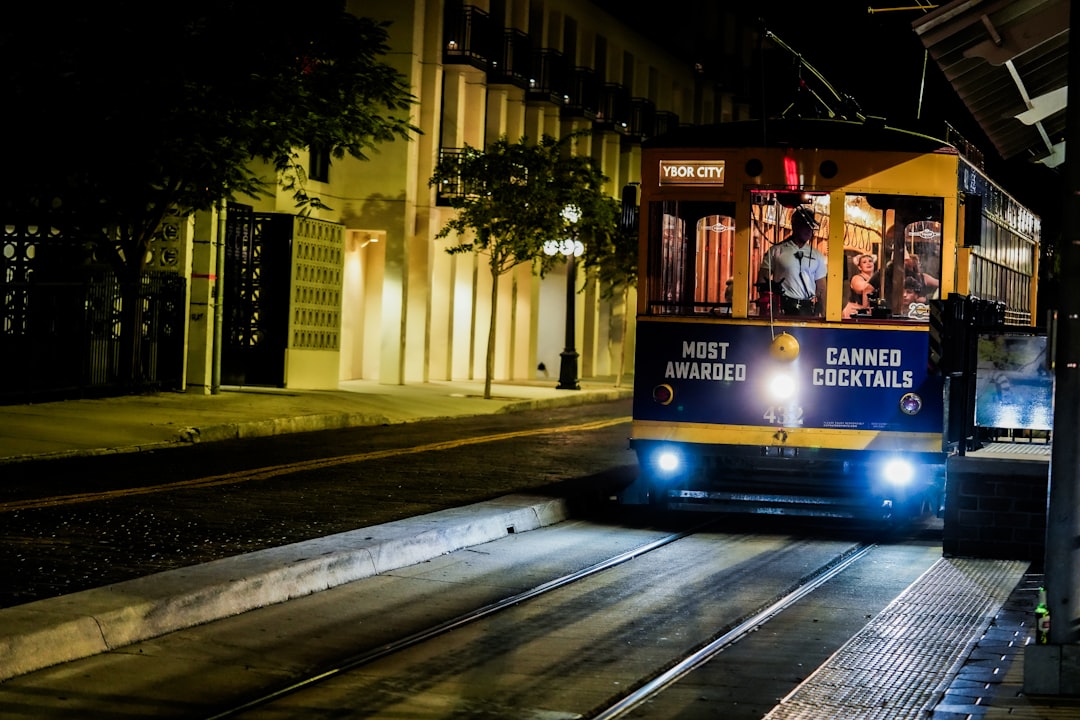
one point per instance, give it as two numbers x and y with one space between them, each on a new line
568 367
1063 530
219 301
1054 668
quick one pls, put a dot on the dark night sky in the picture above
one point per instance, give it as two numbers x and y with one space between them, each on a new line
876 58
879 60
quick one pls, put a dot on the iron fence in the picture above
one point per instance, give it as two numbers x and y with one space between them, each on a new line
69 339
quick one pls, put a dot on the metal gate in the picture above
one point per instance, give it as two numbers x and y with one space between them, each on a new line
258 252
61 329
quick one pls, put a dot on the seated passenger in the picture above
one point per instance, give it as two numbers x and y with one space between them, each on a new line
861 286
921 281
913 301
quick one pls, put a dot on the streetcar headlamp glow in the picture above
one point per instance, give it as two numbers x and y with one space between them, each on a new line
782 386
668 461
911 404
898 472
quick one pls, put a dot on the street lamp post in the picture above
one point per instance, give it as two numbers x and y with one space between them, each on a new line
571 248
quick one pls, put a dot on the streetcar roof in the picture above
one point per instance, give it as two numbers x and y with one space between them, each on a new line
803 133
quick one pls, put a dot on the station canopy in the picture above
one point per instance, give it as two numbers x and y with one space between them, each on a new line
1008 62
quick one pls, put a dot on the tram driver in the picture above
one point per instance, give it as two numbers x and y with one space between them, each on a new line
796 268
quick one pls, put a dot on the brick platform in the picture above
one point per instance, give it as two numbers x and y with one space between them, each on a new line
995 503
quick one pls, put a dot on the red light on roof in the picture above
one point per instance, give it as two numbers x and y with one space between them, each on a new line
791 172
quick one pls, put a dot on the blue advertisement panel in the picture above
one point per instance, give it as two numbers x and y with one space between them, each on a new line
838 377
1014 387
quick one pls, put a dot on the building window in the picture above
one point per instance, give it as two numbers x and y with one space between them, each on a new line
319 164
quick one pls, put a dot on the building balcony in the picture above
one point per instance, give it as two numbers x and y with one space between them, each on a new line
582 94
452 188
664 122
642 123
547 83
469 37
614 108
514 66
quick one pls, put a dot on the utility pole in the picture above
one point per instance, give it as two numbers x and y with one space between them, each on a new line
1051 669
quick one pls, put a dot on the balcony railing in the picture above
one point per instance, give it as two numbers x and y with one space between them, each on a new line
582 94
665 122
450 187
468 37
515 64
642 119
506 55
614 109
547 82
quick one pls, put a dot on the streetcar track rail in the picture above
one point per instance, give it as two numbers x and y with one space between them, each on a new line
623 704
703 655
464 619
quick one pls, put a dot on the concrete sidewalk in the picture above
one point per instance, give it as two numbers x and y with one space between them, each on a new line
143 422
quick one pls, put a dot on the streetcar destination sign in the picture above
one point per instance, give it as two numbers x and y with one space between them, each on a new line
691 172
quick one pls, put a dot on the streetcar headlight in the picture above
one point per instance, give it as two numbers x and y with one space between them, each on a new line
782 386
668 461
898 472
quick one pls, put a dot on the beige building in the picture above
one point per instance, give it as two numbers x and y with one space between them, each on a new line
373 294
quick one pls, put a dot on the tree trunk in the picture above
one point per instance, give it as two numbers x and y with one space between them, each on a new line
622 343
489 364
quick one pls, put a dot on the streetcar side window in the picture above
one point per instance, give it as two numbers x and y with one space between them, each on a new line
691 248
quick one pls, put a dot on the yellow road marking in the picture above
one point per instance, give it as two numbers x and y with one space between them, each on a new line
266 473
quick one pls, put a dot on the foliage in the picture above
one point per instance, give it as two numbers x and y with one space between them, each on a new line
124 110
613 258
613 255
510 200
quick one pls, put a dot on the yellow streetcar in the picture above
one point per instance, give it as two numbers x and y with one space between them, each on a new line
788 273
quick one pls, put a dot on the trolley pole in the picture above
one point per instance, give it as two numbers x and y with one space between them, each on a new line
1051 669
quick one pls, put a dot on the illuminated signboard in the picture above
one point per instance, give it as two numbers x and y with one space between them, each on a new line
691 172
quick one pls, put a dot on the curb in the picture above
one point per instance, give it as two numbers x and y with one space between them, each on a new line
71 627
193 435
277 426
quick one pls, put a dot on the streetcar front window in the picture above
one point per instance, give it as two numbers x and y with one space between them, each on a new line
889 248
892 256
789 251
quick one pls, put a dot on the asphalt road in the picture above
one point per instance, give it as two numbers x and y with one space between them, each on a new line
74 524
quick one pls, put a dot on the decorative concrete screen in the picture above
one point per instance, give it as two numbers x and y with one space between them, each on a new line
315 304
170 247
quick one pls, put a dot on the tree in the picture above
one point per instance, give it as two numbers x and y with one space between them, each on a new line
122 113
613 257
510 200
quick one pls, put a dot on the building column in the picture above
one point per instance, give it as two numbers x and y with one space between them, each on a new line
206 234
